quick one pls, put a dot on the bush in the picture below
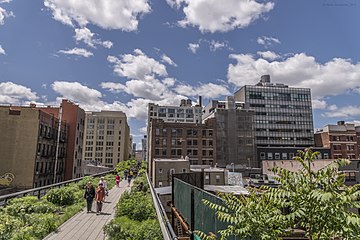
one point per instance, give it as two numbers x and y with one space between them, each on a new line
136 205
123 228
61 196
8 225
27 205
82 183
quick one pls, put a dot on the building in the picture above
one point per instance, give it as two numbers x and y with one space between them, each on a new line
169 140
340 138
29 146
144 147
163 169
107 138
74 116
185 113
288 153
133 150
235 143
283 115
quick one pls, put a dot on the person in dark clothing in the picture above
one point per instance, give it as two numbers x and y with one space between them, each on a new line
126 174
89 196
140 187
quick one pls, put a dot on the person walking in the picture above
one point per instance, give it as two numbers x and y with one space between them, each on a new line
100 198
117 180
89 196
129 177
104 183
126 174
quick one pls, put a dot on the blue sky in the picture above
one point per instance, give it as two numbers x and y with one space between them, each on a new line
123 54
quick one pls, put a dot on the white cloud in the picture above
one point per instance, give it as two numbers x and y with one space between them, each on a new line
75 91
300 70
85 35
193 47
12 93
209 90
77 51
168 60
137 65
220 16
343 112
267 41
318 104
269 55
5 1
5 14
2 51
107 14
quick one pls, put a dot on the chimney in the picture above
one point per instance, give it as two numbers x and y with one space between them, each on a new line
32 105
188 102
182 102
200 101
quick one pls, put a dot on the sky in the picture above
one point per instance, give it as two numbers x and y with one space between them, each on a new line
123 54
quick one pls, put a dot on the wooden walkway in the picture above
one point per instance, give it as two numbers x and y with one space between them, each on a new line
88 226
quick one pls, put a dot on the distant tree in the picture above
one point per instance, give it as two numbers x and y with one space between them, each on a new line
316 201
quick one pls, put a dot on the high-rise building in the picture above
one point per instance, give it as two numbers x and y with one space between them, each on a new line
340 138
283 115
144 148
107 138
28 146
74 116
235 145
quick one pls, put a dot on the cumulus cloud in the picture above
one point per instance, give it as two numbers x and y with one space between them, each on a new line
269 55
77 51
343 112
5 14
319 104
107 14
331 78
12 93
193 47
137 65
267 41
209 90
220 16
168 60
2 51
85 35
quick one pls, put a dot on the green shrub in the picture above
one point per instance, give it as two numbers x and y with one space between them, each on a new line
82 183
61 196
8 225
29 204
136 205
123 228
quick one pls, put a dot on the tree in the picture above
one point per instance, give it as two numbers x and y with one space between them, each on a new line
316 201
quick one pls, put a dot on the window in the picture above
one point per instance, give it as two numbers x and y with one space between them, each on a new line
277 155
217 177
195 142
157 131
284 156
172 171
184 170
291 156
270 156
210 143
204 142
160 184
326 156
262 155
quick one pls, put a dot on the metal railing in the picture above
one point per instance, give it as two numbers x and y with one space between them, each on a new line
41 191
165 225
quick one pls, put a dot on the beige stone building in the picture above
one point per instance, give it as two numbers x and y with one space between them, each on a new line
28 146
163 169
106 138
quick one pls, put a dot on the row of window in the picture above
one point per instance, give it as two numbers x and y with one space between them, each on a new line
257 105
100 154
101 143
189 132
284 138
279 96
286 122
285 156
339 147
179 152
343 138
284 114
110 121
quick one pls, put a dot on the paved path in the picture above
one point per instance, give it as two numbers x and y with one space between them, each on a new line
88 226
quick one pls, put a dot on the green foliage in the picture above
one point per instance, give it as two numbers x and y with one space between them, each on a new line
121 166
8 225
27 205
318 202
136 205
61 196
123 228
83 182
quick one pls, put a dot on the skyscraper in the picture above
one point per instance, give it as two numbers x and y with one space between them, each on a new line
283 114
107 138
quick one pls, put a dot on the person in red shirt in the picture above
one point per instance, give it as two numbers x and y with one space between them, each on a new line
100 198
117 179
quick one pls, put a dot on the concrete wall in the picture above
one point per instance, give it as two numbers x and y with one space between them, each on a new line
161 170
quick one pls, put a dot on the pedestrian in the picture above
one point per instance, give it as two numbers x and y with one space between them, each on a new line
140 187
100 198
104 183
89 196
117 179
125 173
130 177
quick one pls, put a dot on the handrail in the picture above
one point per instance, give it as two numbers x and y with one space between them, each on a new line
165 225
38 191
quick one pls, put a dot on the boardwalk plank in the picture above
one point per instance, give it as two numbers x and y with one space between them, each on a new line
89 226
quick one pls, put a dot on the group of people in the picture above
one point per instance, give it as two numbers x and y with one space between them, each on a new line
98 194
129 175
101 191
